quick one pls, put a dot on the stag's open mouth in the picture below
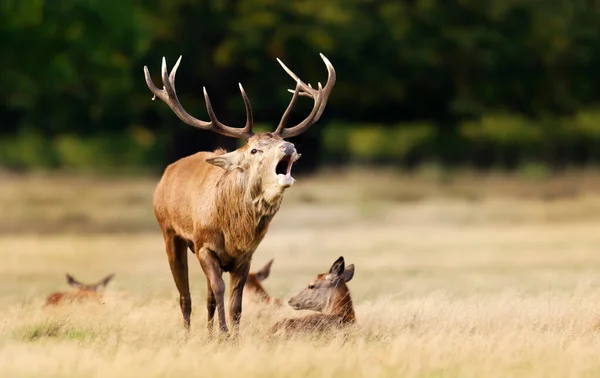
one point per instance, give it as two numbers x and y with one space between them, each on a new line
283 170
284 167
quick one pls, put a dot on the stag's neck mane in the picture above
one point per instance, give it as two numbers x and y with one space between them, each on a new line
244 209
237 191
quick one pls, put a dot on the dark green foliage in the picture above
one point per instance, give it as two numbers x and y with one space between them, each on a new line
484 83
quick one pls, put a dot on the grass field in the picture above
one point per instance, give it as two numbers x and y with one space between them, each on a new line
474 277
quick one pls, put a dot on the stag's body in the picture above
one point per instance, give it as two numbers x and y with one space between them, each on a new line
220 204
329 295
219 217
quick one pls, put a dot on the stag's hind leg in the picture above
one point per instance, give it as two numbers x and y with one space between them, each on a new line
178 261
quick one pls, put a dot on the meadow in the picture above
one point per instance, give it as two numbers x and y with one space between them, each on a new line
468 275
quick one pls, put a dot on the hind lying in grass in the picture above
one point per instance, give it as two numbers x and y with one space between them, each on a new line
256 290
83 292
329 295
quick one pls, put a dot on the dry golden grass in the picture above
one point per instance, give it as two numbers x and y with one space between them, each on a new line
443 287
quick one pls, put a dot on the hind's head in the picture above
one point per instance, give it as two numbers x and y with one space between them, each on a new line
318 294
254 285
83 292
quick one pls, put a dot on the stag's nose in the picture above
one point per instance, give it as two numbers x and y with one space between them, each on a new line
287 148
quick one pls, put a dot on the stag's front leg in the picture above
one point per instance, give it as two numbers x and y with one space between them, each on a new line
238 280
212 270
211 306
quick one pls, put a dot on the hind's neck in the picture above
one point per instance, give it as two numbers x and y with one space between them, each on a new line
341 304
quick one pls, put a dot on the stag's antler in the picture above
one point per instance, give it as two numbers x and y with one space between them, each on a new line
319 96
169 97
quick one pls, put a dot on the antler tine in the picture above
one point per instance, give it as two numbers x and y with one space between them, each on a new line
288 111
169 96
303 85
320 97
157 92
331 78
249 114
174 71
209 108
304 125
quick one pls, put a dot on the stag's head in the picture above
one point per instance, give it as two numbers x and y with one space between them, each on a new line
318 295
266 156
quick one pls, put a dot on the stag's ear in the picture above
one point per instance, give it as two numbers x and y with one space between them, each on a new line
337 269
263 273
349 272
228 161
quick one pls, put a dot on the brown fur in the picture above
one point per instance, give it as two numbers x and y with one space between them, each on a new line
338 311
67 297
255 288
82 292
310 323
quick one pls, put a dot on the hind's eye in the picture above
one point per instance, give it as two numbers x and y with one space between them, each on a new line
311 286
254 150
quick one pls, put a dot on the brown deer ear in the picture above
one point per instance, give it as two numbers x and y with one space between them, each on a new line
263 273
337 269
349 272
228 161
73 282
104 281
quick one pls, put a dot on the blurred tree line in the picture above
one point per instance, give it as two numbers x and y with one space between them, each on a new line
461 82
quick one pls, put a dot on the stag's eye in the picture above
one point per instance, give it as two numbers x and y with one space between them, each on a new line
311 286
254 150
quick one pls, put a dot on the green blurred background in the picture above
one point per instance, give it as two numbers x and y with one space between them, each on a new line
498 84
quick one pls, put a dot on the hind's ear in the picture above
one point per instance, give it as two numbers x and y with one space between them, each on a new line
264 272
337 269
349 273
105 281
73 282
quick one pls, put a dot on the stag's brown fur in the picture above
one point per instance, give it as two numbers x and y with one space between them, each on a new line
328 294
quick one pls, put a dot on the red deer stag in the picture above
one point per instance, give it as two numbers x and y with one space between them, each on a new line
83 292
220 204
329 295
255 288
